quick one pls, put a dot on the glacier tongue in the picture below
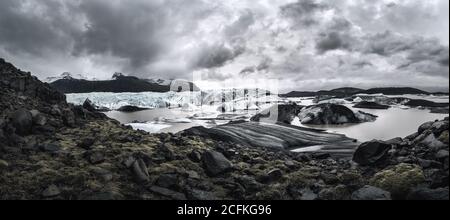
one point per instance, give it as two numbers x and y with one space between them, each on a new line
221 100
114 101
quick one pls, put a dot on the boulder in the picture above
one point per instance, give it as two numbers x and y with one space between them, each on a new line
249 183
429 194
425 126
442 154
272 176
167 181
90 106
195 156
200 195
370 153
339 192
51 191
50 147
371 193
216 163
86 143
395 141
103 174
440 126
308 195
103 196
444 137
55 110
3 164
38 118
371 105
433 143
68 117
165 152
167 193
96 157
22 120
140 171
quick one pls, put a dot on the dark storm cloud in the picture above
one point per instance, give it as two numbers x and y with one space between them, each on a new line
362 64
386 44
29 33
417 49
139 31
340 24
444 61
125 31
332 41
264 64
300 41
302 12
217 55
429 50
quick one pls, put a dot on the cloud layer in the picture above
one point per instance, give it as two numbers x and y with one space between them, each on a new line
303 44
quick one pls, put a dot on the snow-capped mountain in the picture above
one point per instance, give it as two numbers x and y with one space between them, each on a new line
65 75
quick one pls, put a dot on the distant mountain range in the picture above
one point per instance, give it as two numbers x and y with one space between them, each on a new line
348 91
119 84
68 83
65 75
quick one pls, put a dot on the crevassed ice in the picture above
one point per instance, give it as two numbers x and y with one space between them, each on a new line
227 100
143 100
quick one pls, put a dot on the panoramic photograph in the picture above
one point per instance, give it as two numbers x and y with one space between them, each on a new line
233 100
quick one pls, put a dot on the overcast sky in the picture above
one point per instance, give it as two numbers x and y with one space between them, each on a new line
304 44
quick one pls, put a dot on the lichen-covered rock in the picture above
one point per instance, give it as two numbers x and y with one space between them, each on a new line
444 137
399 180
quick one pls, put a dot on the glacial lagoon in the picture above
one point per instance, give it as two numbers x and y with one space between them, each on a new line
184 113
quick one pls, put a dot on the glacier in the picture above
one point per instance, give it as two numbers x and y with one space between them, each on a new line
230 100
114 101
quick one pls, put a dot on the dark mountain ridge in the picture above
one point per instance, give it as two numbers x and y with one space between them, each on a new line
118 84
348 91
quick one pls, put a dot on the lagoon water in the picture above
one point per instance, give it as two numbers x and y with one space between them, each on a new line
391 123
398 121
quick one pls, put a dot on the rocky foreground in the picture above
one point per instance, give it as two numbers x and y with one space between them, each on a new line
52 150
